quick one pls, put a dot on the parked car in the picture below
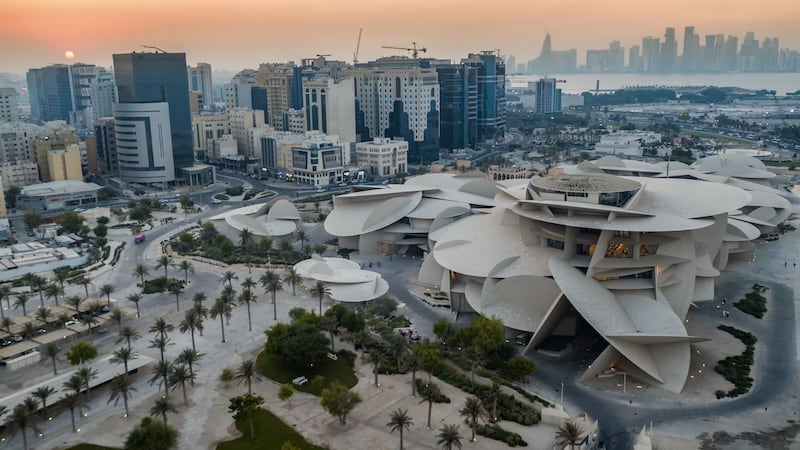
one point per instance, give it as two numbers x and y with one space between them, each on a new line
70 323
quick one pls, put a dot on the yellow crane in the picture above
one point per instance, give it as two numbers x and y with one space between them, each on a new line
414 49
358 47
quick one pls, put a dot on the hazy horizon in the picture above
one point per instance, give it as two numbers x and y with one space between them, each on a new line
244 33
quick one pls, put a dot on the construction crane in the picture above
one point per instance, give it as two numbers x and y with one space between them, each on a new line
414 49
358 47
323 55
154 48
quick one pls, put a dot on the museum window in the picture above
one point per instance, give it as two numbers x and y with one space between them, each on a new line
618 251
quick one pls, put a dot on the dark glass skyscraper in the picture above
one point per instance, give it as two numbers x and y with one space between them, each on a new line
50 93
159 77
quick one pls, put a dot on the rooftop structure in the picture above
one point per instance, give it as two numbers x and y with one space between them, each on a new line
343 278
280 219
582 254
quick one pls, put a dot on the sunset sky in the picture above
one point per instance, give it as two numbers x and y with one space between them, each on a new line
233 34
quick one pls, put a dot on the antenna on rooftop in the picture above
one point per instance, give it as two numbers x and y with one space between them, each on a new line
154 48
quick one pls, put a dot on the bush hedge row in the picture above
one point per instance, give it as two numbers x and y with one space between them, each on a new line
493 431
736 369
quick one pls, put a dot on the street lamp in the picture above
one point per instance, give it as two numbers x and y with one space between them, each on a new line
562 394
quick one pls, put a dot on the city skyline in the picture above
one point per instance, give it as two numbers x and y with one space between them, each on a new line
34 34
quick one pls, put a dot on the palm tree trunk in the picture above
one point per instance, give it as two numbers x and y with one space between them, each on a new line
55 370
183 387
86 288
252 431
222 325
274 308
430 407
249 323
41 299
333 350
249 385
177 303
191 330
137 315
125 363
191 371
164 417
401 437
129 339
125 401
24 439
414 387
72 416
474 424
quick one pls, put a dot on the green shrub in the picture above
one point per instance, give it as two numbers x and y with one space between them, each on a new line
441 398
736 369
753 303
493 431
160 284
233 191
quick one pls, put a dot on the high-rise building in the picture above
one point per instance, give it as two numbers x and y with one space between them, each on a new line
278 80
65 164
106 147
691 50
748 56
50 93
669 51
208 127
59 137
553 61
2 199
104 94
651 51
635 58
730 53
397 98
458 96
491 83
329 106
548 96
242 120
153 109
200 81
9 111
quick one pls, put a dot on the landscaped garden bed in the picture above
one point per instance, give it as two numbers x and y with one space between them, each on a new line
736 369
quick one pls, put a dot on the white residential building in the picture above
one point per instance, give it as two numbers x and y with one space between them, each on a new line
20 173
9 111
144 146
200 81
330 107
383 157
207 127
242 120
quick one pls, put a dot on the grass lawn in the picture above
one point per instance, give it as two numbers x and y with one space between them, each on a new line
91 447
271 434
275 368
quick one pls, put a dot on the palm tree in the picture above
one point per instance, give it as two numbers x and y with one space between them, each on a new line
128 334
247 372
569 433
228 277
160 375
375 358
122 356
21 301
329 324
293 278
121 387
5 292
179 375
245 298
72 401
117 317
286 250
42 393
202 315
75 302
190 357
141 271
53 291
302 237
43 315
161 408
429 394
473 411
39 283
176 290
28 330
22 417
161 327
107 290
7 323
400 420
161 343
74 383
186 266
271 283
449 437
51 351
63 318
60 276
164 261
135 298
319 291
249 283
84 281
494 393
244 238
228 295
199 298
222 309
87 374
191 322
